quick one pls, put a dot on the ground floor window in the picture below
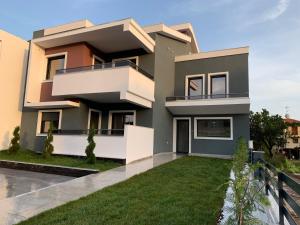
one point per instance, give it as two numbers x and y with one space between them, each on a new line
118 119
213 128
45 118
94 121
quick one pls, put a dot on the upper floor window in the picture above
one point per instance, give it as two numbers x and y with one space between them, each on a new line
124 61
218 84
194 85
54 63
98 62
294 130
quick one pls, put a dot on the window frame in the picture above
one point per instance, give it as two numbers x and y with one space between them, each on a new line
125 58
98 58
120 111
187 77
51 56
89 118
210 75
39 120
213 118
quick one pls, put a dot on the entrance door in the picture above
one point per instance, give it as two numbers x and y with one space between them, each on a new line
182 135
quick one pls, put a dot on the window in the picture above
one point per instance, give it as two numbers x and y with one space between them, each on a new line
54 64
213 128
45 118
295 140
118 120
294 130
98 62
94 119
218 84
194 85
124 61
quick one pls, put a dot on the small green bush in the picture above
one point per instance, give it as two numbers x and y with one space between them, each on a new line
247 196
89 151
15 141
48 147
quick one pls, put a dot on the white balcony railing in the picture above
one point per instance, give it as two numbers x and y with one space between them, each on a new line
99 83
136 143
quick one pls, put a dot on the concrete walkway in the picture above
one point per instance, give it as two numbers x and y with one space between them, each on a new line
22 207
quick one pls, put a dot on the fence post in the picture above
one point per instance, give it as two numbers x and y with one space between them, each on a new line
280 198
266 180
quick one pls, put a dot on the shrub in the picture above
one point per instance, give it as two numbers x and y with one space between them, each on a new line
89 151
15 141
247 196
48 147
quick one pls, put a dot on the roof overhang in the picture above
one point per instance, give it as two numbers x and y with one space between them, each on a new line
111 37
51 105
213 54
167 31
188 29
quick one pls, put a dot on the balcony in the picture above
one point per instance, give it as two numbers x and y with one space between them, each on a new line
234 103
106 83
132 143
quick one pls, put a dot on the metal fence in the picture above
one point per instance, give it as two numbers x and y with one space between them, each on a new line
277 183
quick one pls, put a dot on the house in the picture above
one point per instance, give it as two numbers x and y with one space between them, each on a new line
13 62
145 90
293 137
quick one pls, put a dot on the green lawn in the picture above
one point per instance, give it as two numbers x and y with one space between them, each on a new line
185 191
32 157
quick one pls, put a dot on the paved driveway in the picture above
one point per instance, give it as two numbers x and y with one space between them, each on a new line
16 209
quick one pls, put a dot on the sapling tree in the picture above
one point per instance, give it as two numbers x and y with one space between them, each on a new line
89 151
247 194
15 141
48 147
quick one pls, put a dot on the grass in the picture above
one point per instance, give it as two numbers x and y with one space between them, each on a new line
185 191
32 157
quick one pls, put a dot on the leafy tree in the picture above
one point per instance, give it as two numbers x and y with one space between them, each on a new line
48 147
89 151
247 195
15 141
267 130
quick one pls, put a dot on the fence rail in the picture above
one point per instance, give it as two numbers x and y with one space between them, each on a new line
107 132
108 65
212 96
276 183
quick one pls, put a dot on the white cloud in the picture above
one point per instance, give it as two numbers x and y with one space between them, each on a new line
276 11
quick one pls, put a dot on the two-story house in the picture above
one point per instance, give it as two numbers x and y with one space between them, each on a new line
293 137
145 90
13 63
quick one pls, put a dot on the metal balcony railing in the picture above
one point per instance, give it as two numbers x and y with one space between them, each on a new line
105 132
199 97
117 64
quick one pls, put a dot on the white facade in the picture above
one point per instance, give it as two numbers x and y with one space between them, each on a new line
130 85
137 143
13 57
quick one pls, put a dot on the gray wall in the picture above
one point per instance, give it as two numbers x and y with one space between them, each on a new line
165 51
236 65
222 147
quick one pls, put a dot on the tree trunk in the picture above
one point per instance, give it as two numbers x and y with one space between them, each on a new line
270 152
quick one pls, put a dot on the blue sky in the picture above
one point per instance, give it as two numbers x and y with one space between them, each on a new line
270 27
